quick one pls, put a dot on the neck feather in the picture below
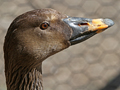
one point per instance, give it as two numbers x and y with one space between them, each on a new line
31 80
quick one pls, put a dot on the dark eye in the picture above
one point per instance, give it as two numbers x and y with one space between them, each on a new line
44 25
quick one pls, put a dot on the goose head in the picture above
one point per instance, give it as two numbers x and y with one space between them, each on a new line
41 33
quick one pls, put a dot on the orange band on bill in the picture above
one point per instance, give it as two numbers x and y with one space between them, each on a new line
97 25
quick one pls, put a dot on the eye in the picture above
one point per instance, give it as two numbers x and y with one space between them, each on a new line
44 25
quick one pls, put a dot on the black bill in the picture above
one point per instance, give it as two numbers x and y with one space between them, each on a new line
84 28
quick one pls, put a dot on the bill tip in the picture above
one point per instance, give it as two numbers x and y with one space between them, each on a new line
109 22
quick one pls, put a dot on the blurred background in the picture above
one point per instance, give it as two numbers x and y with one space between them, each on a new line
91 65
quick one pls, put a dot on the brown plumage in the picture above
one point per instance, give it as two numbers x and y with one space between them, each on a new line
29 41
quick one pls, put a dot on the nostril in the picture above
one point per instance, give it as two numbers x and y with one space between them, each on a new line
80 24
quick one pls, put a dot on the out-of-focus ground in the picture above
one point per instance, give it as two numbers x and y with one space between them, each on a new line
91 65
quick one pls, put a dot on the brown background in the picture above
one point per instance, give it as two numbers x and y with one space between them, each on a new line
91 65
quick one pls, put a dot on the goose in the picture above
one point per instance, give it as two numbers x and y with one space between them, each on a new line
38 34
